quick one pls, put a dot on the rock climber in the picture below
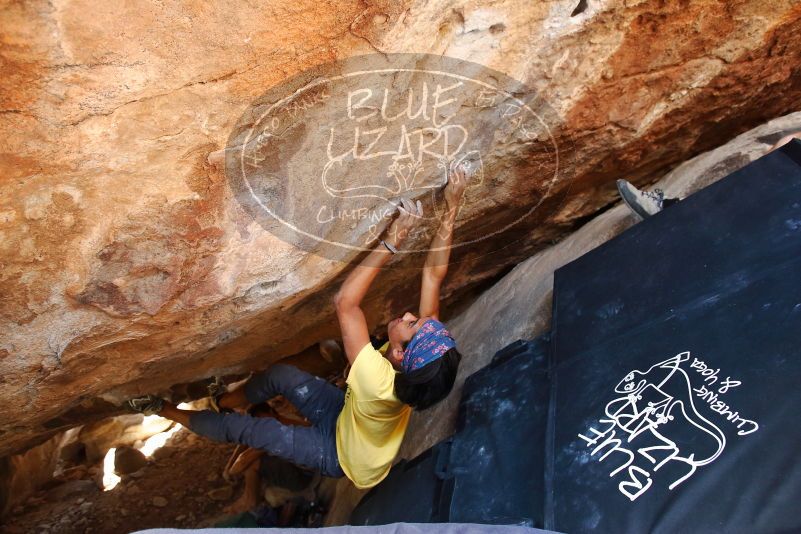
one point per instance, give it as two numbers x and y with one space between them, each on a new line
356 433
644 204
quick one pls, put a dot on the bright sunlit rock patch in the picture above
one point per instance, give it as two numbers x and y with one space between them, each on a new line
157 441
110 479
150 445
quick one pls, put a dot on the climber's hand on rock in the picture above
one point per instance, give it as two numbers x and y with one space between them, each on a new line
457 183
409 215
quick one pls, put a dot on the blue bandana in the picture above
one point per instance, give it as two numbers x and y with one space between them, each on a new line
428 344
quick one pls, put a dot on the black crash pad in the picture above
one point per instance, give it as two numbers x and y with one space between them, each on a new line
677 378
496 466
411 492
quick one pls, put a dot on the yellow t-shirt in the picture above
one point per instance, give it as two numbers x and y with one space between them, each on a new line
371 425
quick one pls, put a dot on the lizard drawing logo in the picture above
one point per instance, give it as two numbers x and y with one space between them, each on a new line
322 160
652 398
653 422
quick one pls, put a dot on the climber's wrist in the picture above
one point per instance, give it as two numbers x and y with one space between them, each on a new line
392 242
389 247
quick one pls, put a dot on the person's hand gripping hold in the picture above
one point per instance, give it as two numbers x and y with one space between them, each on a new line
409 216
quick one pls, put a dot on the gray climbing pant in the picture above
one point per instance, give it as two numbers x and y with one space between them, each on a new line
313 446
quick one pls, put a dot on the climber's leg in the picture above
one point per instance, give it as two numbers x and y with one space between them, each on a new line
313 447
174 414
250 495
233 399
312 396
245 461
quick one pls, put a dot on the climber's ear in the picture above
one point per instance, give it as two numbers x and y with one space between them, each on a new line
396 357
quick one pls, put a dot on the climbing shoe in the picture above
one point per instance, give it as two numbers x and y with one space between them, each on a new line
147 405
217 389
640 202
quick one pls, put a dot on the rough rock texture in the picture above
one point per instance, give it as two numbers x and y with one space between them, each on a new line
128 460
520 303
125 430
22 474
73 503
125 265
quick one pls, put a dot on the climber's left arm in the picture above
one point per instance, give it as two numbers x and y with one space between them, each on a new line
347 301
436 266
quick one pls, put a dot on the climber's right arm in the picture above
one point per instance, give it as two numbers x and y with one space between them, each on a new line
436 266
